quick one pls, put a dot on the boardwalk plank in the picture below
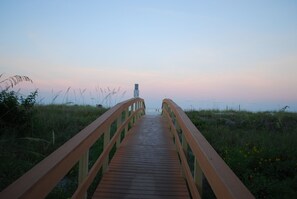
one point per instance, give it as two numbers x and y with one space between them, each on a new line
145 166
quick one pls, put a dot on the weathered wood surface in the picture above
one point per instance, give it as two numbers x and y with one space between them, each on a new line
145 166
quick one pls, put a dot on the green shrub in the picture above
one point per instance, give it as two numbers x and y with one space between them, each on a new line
16 112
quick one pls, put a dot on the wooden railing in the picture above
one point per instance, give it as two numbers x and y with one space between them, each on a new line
224 183
42 178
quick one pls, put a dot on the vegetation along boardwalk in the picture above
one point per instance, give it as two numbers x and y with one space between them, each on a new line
145 166
155 157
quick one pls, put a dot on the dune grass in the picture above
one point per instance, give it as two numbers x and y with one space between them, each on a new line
261 148
52 126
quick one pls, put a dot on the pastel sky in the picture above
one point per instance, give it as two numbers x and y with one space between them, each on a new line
202 54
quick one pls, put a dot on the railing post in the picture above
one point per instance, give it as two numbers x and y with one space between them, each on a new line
83 169
198 177
105 143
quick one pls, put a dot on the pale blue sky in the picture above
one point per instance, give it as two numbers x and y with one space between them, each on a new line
218 51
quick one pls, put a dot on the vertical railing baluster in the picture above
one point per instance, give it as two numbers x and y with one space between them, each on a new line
198 177
119 122
134 118
133 108
176 130
139 113
176 126
126 118
165 109
130 113
136 108
105 143
139 107
184 144
143 106
83 169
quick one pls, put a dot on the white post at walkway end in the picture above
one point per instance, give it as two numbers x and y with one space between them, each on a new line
136 91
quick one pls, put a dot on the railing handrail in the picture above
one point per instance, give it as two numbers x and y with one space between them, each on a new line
43 177
224 183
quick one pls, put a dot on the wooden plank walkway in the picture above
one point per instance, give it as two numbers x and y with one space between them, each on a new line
145 166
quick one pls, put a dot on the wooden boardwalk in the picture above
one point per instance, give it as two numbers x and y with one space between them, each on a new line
145 166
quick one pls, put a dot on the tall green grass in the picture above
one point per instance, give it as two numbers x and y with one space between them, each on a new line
30 132
261 148
51 126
